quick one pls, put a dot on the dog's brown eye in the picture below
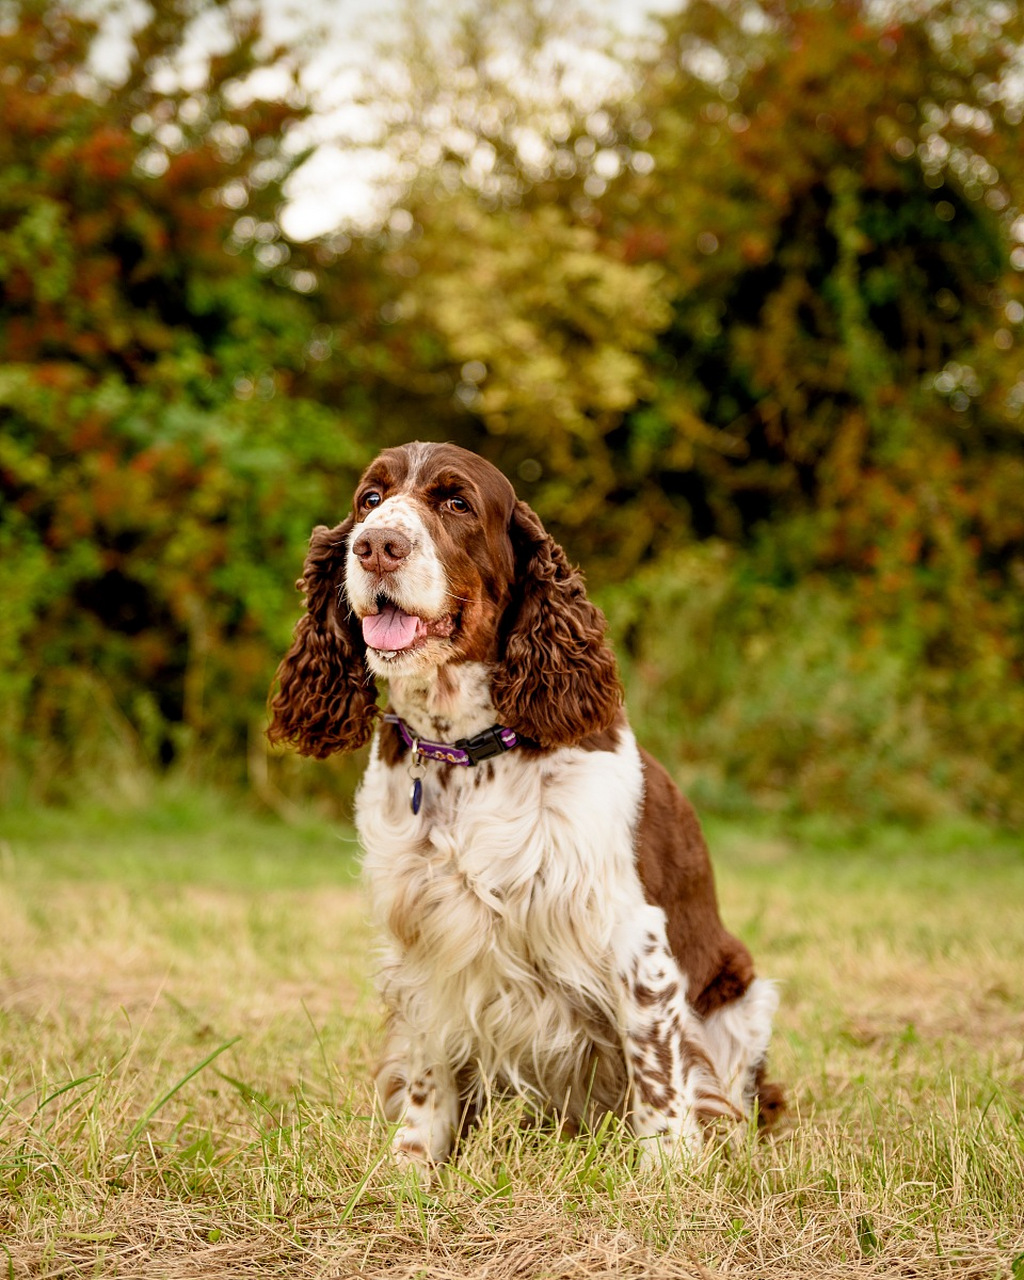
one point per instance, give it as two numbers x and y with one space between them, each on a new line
371 499
459 505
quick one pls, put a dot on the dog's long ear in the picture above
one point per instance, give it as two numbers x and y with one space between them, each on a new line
326 696
556 680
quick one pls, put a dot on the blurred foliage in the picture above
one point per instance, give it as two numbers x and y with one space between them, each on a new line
740 312
157 474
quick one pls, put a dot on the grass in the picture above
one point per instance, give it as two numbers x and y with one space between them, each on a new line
187 1027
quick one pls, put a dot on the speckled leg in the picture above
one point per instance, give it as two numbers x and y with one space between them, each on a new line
422 1098
675 1091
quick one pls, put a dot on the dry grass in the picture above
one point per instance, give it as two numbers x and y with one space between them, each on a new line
185 1033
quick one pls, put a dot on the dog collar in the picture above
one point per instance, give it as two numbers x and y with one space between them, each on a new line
468 751
492 742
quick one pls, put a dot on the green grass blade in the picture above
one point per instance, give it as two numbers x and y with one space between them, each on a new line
72 1084
151 1111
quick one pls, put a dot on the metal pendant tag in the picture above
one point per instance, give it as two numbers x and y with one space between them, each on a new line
416 772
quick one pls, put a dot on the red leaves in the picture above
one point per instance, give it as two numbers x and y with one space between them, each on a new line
644 244
106 155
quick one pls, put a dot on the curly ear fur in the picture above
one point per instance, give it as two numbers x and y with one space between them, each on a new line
326 696
556 682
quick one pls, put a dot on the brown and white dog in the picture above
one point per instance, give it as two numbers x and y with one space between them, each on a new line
543 889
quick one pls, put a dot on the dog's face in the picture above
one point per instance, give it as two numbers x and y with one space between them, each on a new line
429 563
439 563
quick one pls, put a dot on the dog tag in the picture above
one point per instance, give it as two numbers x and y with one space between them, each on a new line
416 795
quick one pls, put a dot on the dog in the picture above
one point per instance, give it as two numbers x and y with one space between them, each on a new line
543 890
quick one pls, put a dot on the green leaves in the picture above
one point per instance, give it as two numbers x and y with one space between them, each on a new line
767 295
157 489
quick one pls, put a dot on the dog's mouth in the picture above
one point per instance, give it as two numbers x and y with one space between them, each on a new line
391 631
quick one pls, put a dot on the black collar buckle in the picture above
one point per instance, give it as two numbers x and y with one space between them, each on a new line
483 746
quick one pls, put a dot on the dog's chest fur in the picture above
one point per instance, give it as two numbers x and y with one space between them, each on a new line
501 898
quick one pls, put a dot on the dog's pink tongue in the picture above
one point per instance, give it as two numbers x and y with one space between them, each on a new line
390 629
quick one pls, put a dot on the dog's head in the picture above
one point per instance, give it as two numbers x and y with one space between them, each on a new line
439 563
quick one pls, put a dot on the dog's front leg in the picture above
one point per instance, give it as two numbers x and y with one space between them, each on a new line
673 1086
420 1096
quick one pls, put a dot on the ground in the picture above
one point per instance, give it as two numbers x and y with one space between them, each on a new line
187 1026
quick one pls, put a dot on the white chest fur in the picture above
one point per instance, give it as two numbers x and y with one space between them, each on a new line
500 901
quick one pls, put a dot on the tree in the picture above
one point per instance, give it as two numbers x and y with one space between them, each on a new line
841 246
837 197
158 480
771 300
509 321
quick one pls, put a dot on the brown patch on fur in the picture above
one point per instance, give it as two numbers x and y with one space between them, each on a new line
556 682
663 1053
655 1093
653 1084
387 473
393 748
410 1148
696 1057
730 983
676 874
326 697
711 1107
606 739
771 1099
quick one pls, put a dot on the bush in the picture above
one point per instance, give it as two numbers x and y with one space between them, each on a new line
782 698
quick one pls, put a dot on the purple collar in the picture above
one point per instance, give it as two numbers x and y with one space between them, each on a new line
492 742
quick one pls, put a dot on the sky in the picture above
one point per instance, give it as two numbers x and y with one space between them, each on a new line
345 182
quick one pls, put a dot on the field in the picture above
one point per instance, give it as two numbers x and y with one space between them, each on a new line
186 1028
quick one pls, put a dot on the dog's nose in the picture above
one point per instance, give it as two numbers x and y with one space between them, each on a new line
381 550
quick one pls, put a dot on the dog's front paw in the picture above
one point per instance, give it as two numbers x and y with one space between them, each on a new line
675 1144
411 1155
